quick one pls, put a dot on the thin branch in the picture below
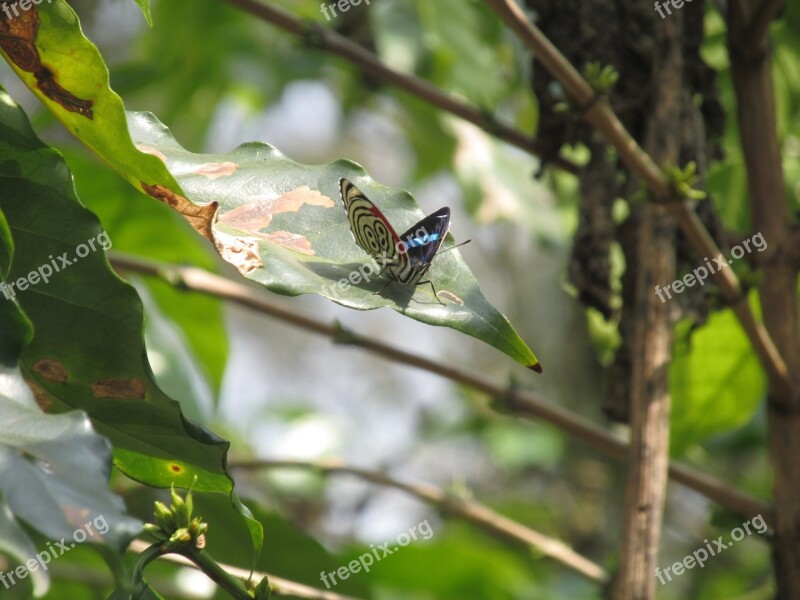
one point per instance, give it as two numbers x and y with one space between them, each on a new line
279 586
522 403
331 41
469 510
638 161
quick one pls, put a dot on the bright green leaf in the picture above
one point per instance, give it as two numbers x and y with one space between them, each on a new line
716 381
145 6
79 95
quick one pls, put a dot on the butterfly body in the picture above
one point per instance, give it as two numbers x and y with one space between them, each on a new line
407 257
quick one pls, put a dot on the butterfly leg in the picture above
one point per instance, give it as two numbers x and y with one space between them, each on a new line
383 288
433 289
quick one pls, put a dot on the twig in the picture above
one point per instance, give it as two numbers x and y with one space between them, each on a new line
368 62
522 402
469 510
280 586
603 118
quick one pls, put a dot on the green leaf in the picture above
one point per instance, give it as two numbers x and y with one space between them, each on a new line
6 246
88 350
15 329
140 228
78 93
145 6
283 225
716 381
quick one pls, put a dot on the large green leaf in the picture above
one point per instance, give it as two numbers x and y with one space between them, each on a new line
47 49
283 225
140 228
88 350
54 469
716 381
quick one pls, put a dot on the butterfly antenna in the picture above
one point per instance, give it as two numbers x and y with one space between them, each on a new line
454 247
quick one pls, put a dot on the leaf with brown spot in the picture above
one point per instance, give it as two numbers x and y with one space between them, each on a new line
49 53
241 252
283 224
18 41
291 241
118 388
50 369
43 399
199 216
152 152
256 215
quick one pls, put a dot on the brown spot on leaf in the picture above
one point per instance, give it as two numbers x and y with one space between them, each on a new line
452 297
17 39
40 395
241 252
50 369
214 170
118 388
292 241
150 150
199 216
257 214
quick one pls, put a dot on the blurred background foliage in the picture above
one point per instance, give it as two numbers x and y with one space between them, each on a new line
219 78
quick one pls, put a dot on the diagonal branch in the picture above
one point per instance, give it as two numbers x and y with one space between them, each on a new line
523 403
469 510
329 40
639 162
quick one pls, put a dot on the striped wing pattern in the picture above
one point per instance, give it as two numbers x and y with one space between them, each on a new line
409 257
371 230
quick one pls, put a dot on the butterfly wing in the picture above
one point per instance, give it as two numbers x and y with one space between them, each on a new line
422 241
370 228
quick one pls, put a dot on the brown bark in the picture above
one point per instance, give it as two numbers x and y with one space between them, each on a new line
645 493
751 67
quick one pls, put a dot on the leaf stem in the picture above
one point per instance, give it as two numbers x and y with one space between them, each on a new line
233 585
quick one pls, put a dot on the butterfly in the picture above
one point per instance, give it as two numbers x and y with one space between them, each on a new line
407 257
